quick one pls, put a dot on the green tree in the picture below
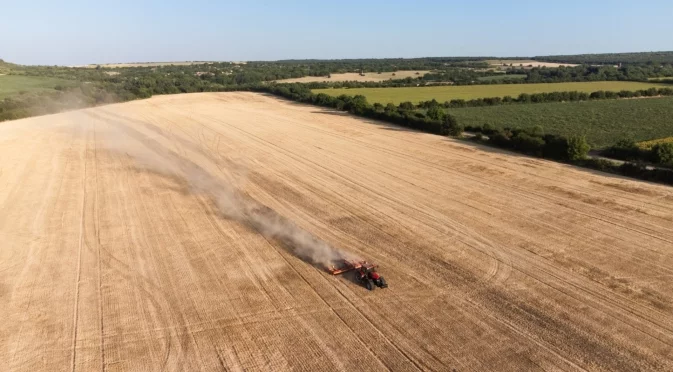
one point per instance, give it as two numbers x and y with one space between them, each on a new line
450 127
537 131
663 153
436 113
578 148
406 106
357 105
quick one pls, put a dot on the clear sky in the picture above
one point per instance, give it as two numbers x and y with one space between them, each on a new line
81 32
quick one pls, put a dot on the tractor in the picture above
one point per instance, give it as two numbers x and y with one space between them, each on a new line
365 273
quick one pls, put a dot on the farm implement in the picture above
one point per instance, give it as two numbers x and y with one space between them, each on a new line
365 273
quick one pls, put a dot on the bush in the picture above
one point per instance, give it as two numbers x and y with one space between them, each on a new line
528 144
599 164
436 113
406 106
662 153
500 139
578 148
450 127
625 149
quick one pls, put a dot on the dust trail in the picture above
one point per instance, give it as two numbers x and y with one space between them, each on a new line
226 194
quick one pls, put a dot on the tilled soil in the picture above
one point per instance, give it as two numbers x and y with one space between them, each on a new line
189 232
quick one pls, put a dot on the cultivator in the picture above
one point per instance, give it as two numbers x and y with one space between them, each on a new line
365 273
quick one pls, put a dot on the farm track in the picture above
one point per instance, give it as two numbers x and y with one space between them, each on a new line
110 260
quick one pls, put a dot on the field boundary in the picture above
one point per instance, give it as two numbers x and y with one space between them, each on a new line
569 91
571 151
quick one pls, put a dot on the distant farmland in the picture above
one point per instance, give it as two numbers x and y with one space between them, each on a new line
353 76
503 77
603 122
447 93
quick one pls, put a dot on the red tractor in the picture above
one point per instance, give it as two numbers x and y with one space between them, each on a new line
365 273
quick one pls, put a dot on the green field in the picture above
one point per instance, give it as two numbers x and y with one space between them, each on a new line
11 85
603 122
447 93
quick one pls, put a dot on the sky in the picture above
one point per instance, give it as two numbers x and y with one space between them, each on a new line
77 32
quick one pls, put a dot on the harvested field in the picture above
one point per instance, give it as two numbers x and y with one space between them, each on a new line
447 93
352 76
527 63
176 233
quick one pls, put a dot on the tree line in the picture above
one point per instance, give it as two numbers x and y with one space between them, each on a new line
527 98
612 58
141 82
660 154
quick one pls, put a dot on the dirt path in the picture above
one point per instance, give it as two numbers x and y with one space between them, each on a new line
117 253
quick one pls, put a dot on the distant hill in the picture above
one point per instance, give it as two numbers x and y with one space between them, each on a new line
6 67
611 58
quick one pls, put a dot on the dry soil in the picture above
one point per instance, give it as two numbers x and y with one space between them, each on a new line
352 76
120 250
527 63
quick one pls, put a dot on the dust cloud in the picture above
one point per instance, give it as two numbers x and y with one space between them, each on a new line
225 192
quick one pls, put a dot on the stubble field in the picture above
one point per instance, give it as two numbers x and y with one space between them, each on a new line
189 232
354 76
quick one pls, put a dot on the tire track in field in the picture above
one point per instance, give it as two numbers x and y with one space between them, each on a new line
417 210
238 128
129 273
649 307
176 284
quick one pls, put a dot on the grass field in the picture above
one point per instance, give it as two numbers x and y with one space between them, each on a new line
14 84
446 93
603 122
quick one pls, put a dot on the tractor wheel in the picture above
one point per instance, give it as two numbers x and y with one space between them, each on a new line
382 283
369 285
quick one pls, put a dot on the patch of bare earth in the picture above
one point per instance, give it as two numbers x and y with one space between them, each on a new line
352 76
527 63
122 248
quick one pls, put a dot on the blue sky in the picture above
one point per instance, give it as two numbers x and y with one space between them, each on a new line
81 32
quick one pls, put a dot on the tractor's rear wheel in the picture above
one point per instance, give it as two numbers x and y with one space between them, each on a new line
368 284
382 283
